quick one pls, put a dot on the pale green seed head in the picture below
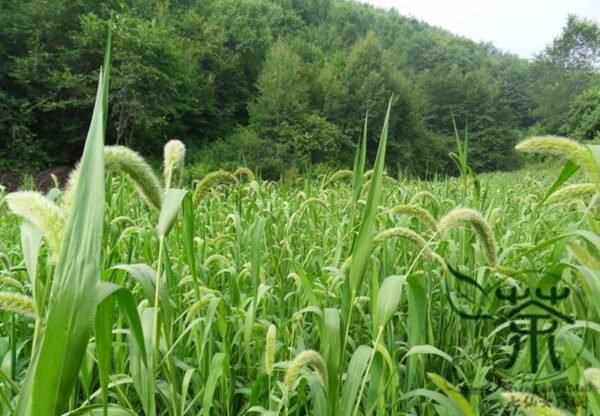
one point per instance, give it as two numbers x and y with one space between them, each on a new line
42 213
270 349
306 358
561 146
460 216
17 303
122 159
408 235
209 181
416 212
425 195
174 161
245 172
571 192
340 174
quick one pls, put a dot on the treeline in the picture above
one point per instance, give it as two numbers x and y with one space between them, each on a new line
277 83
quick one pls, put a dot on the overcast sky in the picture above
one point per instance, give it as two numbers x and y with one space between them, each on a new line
523 27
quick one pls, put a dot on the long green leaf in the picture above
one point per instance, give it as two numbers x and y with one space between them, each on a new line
55 366
568 170
364 242
356 369
169 210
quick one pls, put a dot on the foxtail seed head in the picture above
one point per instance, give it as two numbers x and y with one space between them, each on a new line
210 180
246 172
42 213
425 195
531 404
340 174
123 159
174 161
561 146
17 303
306 358
270 349
417 212
408 235
571 192
459 216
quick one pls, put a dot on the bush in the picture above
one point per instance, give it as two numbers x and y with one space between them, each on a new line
245 148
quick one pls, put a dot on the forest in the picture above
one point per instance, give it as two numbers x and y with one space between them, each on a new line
274 84
294 207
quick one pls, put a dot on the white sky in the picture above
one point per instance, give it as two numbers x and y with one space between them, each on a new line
523 27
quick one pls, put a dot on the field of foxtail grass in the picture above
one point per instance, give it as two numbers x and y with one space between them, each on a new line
353 293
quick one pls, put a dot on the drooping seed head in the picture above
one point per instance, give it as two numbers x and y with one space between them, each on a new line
425 195
408 235
209 181
417 212
123 159
346 264
306 358
314 200
44 214
572 192
246 172
339 175
561 146
460 216
173 164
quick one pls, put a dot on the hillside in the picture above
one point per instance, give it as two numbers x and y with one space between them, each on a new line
269 83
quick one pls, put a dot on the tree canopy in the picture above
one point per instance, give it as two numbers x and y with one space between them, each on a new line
272 83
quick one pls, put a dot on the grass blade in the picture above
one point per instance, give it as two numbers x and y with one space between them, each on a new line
55 365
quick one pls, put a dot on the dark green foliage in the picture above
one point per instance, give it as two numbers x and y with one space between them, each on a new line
297 76
564 70
584 118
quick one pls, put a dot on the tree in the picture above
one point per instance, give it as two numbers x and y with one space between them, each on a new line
577 47
564 70
283 91
584 117
475 99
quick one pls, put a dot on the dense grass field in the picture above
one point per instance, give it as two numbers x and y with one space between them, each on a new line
252 277
350 293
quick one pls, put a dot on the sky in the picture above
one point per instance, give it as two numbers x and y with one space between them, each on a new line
523 27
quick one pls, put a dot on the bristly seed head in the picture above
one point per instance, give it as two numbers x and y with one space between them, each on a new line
459 216
408 235
270 349
561 146
306 358
210 180
17 303
123 159
44 214
174 161
244 171
572 192
417 212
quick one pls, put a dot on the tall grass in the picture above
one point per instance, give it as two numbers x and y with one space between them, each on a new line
328 297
